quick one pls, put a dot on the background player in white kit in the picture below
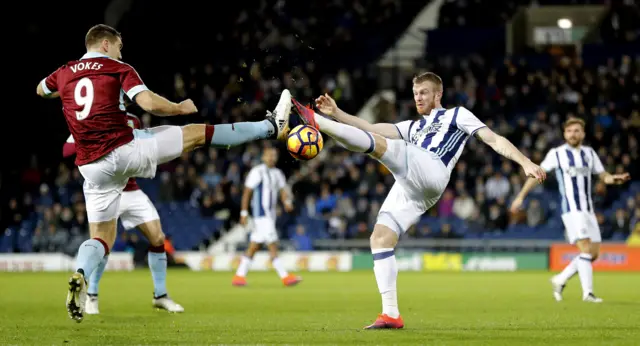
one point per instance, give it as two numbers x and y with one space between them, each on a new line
574 164
264 184
135 211
421 155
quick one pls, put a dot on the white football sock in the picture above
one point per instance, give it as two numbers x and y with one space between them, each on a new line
243 268
348 136
569 271
385 268
277 265
585 270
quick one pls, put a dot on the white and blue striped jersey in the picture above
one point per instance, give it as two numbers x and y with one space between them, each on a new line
266 184
443 132
574 168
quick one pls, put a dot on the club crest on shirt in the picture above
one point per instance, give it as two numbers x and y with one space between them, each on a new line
131 124
576 171
426 132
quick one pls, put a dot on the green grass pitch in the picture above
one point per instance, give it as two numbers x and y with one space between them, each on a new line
326 308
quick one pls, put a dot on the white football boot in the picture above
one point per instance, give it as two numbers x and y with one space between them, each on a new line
557 289
91 308
591 298
280 115
168 304
76 297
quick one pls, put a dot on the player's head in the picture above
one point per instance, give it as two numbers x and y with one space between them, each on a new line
574 131
104 39
427 92
270 157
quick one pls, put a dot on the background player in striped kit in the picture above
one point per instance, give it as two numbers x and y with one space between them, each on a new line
574 164
263 185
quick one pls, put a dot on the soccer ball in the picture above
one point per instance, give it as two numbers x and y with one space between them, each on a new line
304 142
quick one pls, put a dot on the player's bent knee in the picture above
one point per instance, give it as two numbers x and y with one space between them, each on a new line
193 136
152 230
383 237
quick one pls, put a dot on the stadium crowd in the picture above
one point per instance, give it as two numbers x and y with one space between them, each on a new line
526 104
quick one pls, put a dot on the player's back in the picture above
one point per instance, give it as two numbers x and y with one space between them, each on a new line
92 93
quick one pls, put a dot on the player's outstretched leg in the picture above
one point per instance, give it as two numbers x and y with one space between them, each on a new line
383 241
90 256
352 138
91 306
173 141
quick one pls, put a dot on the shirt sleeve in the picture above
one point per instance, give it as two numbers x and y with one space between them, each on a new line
131 82
253 179
550 161
404 127
467 121
597 167
50 83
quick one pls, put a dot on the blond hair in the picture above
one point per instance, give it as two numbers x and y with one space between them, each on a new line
428 77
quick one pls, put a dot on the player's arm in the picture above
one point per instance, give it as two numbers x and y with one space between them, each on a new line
610 179
160 106
40 91
252 181
549 163
244 204
47 87
614 179
151 102
285 192
505 148
327 105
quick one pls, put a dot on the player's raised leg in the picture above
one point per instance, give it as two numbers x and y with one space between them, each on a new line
157 259
173 141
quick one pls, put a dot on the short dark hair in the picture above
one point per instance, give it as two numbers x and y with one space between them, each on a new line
428 77
98 33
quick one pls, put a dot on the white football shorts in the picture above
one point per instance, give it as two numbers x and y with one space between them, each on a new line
264 231
135 209
421 178
106 178
581 225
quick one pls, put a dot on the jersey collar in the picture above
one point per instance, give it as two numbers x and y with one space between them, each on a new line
91 55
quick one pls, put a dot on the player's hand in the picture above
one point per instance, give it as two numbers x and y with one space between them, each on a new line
243 220
326 105
516 205
534 171
288 207
617 179
187 107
